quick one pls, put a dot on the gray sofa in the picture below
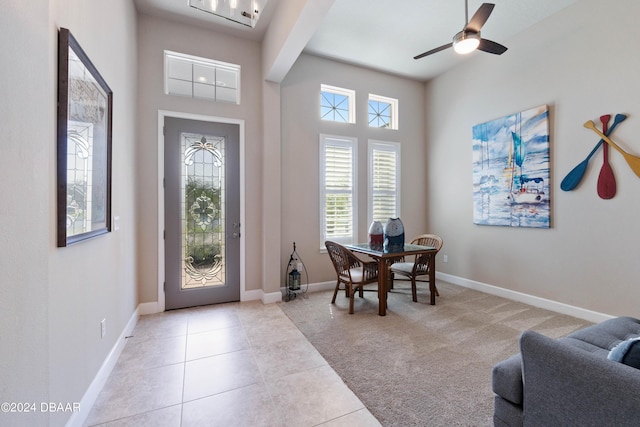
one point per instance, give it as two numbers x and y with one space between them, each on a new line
569 381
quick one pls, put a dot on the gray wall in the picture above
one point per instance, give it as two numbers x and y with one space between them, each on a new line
301 126
155 35
53 299
583 63
96 280
26 241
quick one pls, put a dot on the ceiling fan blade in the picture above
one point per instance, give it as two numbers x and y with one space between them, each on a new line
491 47
438 49
480 17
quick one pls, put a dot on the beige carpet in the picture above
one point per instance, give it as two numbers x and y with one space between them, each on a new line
422 365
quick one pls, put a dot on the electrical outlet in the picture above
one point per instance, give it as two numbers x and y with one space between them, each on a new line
445 258
103 328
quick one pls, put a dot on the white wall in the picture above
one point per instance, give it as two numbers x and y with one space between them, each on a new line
53 299
301 127
26 240
96 279
582 62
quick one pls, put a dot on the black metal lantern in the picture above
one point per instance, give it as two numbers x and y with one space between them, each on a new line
293 276
294 280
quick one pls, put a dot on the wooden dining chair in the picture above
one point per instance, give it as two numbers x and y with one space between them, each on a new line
352 272
420 265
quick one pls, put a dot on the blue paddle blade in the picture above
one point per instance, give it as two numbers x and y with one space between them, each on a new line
573 178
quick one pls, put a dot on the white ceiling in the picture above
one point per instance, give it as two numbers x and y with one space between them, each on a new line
381 34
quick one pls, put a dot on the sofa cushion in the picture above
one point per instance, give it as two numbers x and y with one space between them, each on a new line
606 335
627 352
586 346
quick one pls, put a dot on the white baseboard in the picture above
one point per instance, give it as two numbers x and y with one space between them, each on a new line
322 286
86 403
550 305
313 287
148 308
271 297
558 307
255 295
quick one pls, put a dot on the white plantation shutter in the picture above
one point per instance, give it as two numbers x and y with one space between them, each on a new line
384 181
338 194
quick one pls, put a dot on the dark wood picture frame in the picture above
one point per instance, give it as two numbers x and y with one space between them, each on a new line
84 125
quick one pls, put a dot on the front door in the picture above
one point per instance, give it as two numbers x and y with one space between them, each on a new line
202 212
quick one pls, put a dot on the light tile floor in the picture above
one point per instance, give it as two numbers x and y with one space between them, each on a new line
238 364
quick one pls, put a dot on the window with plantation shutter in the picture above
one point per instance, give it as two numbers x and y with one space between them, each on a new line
384 181
338 189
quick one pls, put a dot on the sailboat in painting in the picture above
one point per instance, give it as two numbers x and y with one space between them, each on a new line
511 170
524 189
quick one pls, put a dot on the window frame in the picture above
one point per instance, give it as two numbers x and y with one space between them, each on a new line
393 103
341 141
394 147
351 97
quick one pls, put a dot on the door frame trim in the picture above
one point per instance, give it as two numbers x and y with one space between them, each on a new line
214 119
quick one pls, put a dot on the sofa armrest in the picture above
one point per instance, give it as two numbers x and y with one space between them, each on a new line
506 379
567 386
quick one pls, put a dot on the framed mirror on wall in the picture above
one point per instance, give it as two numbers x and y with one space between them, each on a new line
83 146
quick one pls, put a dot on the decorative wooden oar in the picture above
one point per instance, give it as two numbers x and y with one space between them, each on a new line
632 161
575 175
606 179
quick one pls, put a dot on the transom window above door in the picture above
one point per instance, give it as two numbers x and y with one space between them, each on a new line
195 77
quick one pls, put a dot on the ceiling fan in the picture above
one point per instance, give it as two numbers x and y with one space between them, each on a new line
469 39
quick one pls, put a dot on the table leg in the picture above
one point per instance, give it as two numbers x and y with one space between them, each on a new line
432 278
382 287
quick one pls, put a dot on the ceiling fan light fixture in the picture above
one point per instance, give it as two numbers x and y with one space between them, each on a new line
466 42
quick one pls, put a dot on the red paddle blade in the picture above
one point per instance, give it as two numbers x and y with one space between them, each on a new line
606 180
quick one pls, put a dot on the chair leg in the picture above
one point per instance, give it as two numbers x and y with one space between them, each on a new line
361 291
436 289
414 291
391 278
333 300
351 301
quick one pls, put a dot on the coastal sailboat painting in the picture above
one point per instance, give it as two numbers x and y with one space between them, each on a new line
511 170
